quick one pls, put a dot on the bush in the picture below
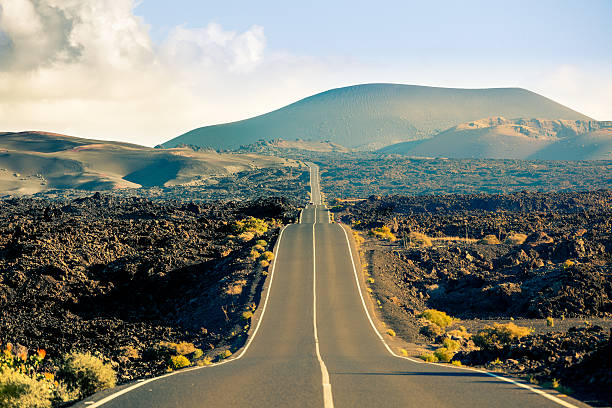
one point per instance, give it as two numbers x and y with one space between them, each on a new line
435 316
391 332
177 362
499 335
403 352
225 354
251 224
86 374
267 256
457 363
443 354
359 240
20 390
383 232
183 348
261 242
259 248
247 315
451 345
550 322
264 263
515 239
430 358
418 239
490 240
431 330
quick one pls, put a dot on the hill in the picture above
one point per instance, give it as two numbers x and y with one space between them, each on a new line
500 138
376 115
31 162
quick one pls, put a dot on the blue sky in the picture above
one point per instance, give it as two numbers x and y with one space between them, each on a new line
147 71
549 31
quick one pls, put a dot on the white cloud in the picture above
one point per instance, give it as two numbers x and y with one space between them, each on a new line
89 68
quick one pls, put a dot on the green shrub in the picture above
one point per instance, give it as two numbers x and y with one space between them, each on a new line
86 373
451 345
261 242
225 354
251 224
550 322
267 256
435 316
183 348
443 354
247 315
259 248
499 335
431 330
198 353
20 390
391 332
383 232
177 362
430 358
457 363
403 352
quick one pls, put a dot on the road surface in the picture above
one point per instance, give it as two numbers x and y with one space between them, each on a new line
315 346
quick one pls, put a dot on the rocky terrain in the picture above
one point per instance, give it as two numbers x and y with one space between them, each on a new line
239 186
360 175
543 261
502 138
129 279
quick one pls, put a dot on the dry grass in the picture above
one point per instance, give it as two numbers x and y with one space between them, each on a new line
490 240
515 239
420 240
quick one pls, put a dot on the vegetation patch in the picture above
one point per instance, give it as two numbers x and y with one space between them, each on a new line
499 335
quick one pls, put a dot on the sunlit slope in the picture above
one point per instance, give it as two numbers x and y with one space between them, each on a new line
36 161
375 115
500 138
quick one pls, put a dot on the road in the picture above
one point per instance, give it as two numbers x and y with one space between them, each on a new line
315 346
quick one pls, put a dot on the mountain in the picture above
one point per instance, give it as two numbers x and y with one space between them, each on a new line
500 138
376 115
36 161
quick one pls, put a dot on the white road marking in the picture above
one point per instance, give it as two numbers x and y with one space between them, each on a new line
140 383
526 386
328 400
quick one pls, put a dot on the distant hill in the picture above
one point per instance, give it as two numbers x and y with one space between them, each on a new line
281 146
376 115
36 161
500 138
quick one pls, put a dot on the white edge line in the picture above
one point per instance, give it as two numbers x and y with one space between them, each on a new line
528 387
328 400
140 383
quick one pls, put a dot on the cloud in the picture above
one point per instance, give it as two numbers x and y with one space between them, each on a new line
211 46
32 34
89 68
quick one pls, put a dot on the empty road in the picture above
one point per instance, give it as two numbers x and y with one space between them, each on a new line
315 346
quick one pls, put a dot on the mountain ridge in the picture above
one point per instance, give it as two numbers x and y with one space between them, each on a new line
370 116
527 139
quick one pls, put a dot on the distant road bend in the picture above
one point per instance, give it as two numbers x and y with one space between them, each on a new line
315 345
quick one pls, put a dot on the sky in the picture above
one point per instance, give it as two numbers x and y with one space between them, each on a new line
147 71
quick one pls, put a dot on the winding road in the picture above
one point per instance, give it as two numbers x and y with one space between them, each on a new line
315 345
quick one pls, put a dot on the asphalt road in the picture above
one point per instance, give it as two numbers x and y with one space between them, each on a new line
312 294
